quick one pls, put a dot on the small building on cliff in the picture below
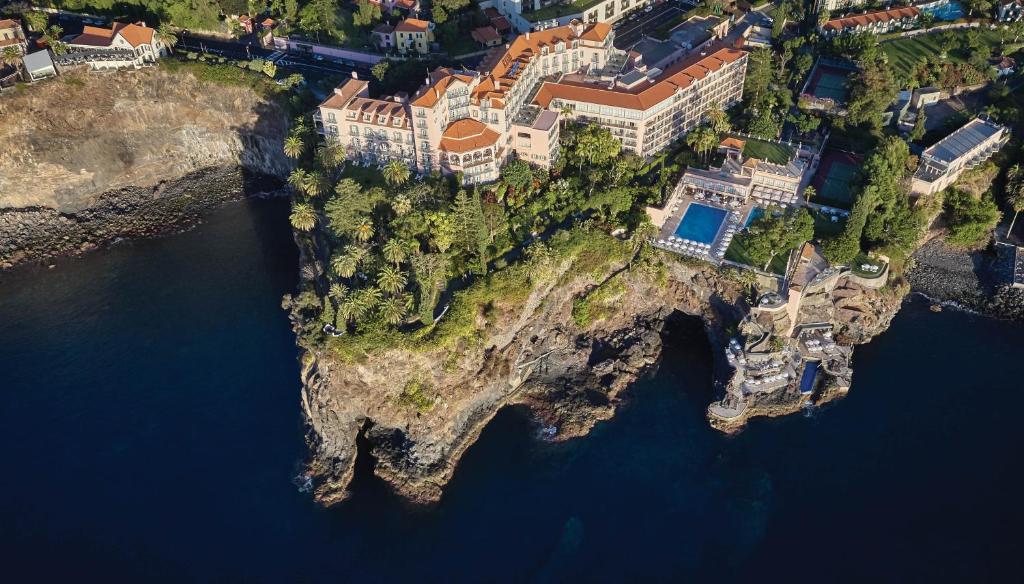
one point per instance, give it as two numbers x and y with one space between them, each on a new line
133 44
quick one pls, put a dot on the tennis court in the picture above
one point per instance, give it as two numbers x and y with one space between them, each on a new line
836 172
829 83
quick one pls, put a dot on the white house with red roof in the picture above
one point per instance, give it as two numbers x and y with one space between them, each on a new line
134 43
12 35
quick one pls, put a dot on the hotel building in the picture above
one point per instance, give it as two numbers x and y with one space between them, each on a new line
962 150
473 121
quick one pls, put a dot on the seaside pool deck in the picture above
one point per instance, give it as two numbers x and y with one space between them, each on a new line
702 230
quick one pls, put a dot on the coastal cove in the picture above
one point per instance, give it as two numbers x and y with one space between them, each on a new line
152 429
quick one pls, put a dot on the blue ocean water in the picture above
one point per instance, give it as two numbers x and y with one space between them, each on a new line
150 429
701 223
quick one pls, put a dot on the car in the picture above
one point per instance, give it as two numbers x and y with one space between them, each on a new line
648 8
318 57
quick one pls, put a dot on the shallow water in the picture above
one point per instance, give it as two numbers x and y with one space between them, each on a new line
150 425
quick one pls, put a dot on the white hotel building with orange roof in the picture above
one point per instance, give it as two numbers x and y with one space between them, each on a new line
473 121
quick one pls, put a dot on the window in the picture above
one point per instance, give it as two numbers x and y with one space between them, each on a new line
354 130
330 117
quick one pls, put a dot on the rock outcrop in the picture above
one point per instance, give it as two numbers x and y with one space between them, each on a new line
85 159
532 353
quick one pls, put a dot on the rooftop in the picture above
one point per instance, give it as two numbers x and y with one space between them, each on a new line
643 96
867 18
963 141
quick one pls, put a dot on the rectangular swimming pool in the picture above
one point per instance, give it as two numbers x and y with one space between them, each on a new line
701 223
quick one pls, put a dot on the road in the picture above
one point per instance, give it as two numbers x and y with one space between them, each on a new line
628 32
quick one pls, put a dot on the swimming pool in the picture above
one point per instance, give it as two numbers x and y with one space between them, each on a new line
701 223
755 214
810 374
947 11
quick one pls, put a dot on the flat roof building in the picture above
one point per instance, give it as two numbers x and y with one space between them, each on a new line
967 147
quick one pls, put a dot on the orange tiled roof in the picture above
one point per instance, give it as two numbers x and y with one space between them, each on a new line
485 34
440 80
102 37
340 96
731 142
867 18
412 25
8 23
467 134
646 96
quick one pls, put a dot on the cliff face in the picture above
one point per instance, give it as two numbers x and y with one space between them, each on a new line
88 158
533 353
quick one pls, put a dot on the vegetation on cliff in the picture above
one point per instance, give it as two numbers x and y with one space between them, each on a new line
397 262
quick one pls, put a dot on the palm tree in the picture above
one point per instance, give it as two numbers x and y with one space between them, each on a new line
53 33
303 217
391 280
1014 194
809 193
402 204
367 299
293 146
10 56
346 264
364 231
348 309
396 172
314 184
328 156
297 179
338 292
394 251
36 20
392 310
167 36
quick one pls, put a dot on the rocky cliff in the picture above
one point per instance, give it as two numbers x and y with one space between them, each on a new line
532 352
87 158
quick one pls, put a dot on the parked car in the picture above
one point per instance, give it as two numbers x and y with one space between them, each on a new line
648 8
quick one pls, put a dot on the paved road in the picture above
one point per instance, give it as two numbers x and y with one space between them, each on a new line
628 32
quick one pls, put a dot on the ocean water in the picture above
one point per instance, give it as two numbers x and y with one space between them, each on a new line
150 431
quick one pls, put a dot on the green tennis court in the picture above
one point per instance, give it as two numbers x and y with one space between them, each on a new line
830 84
836 173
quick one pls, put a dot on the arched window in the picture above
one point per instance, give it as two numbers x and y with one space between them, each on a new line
455 158
467 159
477 155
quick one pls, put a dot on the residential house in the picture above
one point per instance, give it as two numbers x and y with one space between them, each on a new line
135 44
38 65
487 36
414 35
384 37
12 35
877 22
967 147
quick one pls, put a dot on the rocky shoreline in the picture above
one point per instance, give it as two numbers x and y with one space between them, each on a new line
974 280
569 378
38 234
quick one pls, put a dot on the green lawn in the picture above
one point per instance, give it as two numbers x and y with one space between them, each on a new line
737 252
905 54
770 151
824 228
862 259
556 10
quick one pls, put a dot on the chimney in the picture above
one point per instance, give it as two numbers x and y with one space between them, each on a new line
354 75
527 35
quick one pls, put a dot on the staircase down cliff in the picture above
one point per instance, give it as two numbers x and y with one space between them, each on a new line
87 158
